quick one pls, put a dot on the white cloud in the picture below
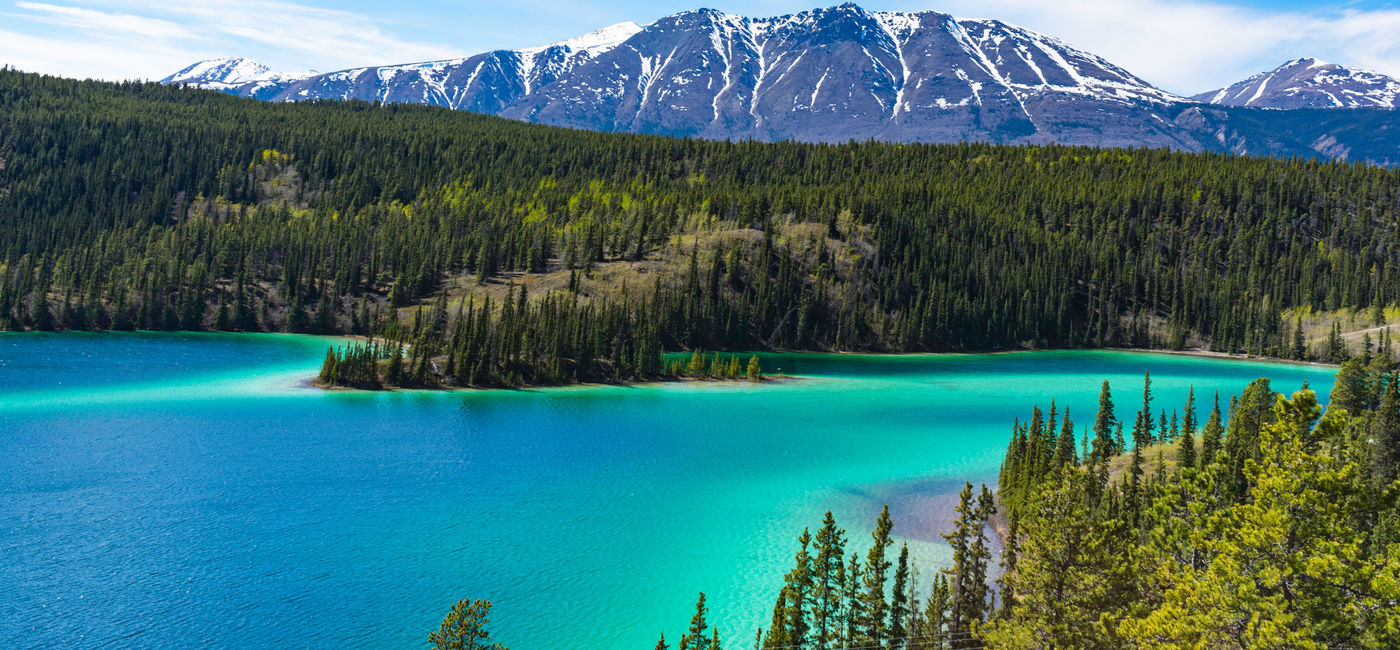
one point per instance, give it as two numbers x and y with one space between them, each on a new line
104 23
149 39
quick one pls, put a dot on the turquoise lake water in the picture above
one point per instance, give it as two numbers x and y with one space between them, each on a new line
187 490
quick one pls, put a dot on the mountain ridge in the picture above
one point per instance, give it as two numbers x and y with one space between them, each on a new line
822 75
1309 83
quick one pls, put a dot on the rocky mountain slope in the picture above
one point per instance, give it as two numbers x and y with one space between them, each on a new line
1309 83
825 75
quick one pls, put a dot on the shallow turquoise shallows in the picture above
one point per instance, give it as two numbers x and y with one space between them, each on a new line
178 490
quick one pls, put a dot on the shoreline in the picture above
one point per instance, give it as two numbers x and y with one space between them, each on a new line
769 379
1191 352
1233 356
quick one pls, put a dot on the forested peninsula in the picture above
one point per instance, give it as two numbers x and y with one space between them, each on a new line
527 254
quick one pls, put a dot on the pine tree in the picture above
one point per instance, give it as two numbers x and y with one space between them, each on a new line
1186 450
1349 389
1134 492
899 601
828 570
1064 446
755 372
799 588
1336 345
968 576
778 636
933 631
464 628
854 612
1211 435
1104 445
1385 433
1072 569
1188 419
1142 430
874 605
1300 348
695 638
394 374
328 374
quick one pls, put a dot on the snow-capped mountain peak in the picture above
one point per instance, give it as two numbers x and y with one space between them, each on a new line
232 73
825 74
230 70
828 75
1310 83
595 42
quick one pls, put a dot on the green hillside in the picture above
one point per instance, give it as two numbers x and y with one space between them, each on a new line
142 206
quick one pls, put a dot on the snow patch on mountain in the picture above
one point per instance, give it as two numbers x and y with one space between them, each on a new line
595 42
230 72
1310 83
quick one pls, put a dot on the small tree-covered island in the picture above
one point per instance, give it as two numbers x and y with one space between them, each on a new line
470 251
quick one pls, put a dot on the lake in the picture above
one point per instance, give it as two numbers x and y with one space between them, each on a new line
179 490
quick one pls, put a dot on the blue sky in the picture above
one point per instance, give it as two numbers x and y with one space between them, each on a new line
1184 46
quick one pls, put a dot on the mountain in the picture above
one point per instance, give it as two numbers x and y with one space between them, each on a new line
1309 83
485 83
841 73
237 75
824 75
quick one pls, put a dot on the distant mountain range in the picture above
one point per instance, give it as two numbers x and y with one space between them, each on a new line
1309 83
842 73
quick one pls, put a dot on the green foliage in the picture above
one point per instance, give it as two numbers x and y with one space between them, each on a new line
1265 541
353 366
1071 566
137 205
464 628
967 578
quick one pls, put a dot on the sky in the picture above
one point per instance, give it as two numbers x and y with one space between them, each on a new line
1183 46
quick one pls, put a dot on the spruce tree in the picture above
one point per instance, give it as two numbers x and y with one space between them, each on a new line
394 374
874 605
1188 419
933 633
1211 435
1142 431
695 639
829 574
1186 451
327 376
464 628
899 601
1104 446
854 614
799 587
777 636
1064 446
1385 433
968 575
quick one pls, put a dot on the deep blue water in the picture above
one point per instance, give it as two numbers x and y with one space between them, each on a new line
170 491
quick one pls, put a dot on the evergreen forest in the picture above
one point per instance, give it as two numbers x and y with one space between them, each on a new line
491 252
1259 523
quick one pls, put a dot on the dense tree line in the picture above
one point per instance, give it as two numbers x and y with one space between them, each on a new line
1275 526
830 601
143 206
1269 524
